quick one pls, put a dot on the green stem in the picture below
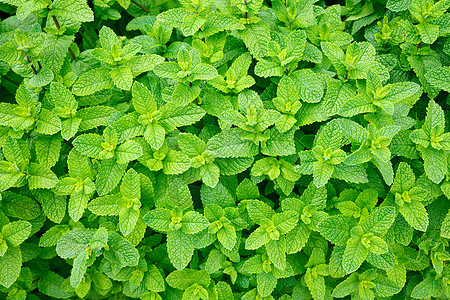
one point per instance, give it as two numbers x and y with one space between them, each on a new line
55 20
34 69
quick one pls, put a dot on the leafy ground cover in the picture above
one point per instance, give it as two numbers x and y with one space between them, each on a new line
226 149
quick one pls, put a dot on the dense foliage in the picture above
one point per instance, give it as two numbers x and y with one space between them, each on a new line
224 149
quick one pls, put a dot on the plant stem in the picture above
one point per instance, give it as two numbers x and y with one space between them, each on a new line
32 67
140 5
58 26
72 53
55 20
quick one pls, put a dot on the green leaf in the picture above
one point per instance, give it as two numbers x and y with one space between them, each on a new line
211 174
143 100
265 68
256 38
285 221
439 78
297 238
105 206
309 85
404 179
50 285
193 222
428 32
423 64
77 10
398 5
48 149
335 55
92 81
159 219
434 164
154 280
316 284
426 288
183 279
10 263
128 218
378 245
41 177
336 229
95 116
179 248
89 144
265 283
20 206
154 134
174 116
50 237
176 162
257 238
415 214
78 165
346 287
16 232
230 144
276 250
54 206
128 151
79 268
203 72
168 70
54 51
322 173
227 236
184 94
401 91
108 176
124 3
379 221
385 287
191 144
355 254
295 44
48 122
122 77
73 242
43 77
445 227
125 253
259 210
130 186
191 24
279 144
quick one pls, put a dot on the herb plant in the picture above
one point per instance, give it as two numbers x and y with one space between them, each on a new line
226 149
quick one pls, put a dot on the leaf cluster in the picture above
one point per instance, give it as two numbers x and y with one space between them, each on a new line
229 149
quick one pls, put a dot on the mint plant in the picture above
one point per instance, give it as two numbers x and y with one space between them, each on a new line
230 149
